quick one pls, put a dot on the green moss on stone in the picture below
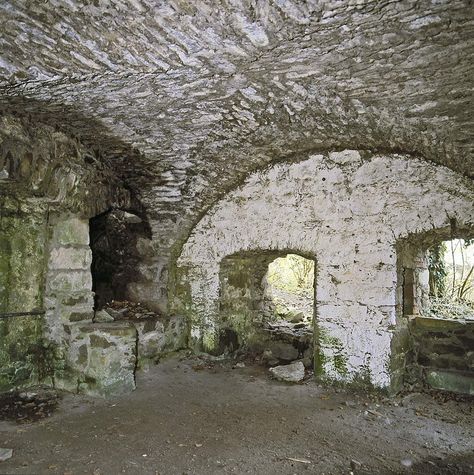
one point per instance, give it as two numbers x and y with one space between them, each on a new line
22 258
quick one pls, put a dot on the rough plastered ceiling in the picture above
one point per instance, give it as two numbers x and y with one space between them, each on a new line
188 97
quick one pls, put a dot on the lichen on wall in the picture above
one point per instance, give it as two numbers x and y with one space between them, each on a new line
349 210
22 238
50 185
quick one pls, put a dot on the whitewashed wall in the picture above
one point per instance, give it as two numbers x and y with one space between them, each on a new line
349 212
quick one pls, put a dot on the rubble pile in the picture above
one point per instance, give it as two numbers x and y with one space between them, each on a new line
124 310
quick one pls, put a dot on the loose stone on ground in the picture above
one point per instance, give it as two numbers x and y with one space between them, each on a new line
292 373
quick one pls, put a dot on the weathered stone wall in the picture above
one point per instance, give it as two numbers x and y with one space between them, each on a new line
349 210
39 163
100 359
22 267
443 353
242 295
50 185
69 296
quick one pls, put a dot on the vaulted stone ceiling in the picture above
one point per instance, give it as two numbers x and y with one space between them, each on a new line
187 97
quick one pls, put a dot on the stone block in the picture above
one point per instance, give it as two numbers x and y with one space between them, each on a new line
71 232
81 297
151 339
70 258
292 373
437 324
456 381
116 329
72 281
102 316
282 350
77 315
101 359
150 345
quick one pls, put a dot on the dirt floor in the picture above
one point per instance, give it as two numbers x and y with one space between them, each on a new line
190 417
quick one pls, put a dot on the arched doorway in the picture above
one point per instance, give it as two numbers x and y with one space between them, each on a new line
267 306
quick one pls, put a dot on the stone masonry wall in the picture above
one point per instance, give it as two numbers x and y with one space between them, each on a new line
203 93
349 210
22 263
69 296
444 353
50 185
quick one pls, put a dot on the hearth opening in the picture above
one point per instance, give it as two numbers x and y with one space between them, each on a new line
115 255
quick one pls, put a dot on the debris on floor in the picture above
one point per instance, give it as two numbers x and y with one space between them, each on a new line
124 310
212 421
28 406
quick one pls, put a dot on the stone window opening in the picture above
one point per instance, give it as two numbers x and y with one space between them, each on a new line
267 306
451 279
436 276
434 336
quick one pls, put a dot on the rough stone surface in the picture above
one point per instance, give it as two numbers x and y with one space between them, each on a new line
46 167
454 381
5 454
291 373
68 289
187 98
444 353
22 257
102 316
283 351
151 339
101 359
166 107
346 209
52 186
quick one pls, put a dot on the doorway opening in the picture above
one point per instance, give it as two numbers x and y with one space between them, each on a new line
289 289
267 306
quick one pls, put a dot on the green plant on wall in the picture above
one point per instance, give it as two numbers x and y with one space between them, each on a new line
451 280
45 358
437 270
292 273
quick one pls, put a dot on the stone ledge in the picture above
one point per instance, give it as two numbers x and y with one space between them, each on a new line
450 380
113 328
439 324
